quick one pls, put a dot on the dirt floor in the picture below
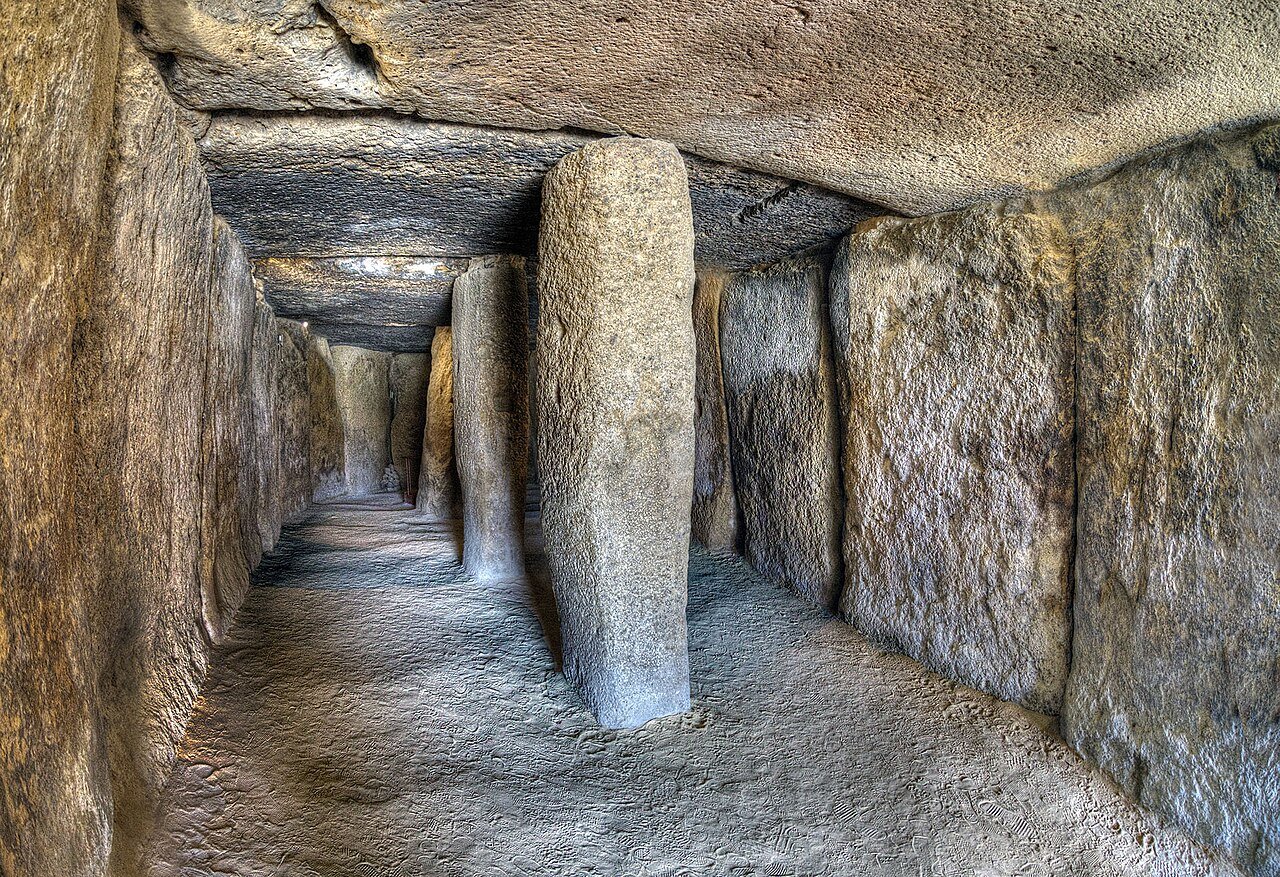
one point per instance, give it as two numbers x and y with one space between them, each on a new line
376 713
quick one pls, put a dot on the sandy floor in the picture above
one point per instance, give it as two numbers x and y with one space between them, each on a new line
375 713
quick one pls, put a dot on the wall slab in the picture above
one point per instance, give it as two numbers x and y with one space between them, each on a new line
327 443
955 355
783 425
438 481
410 373
715 519
364 398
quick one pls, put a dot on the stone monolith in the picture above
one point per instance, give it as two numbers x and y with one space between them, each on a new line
715 507
364 399
615 407
438 478
491 413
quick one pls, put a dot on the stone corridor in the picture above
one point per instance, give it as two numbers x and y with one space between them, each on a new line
375 712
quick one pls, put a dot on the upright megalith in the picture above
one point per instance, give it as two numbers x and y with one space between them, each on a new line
615 408
409 373
491 413
438 478
715 508
361 377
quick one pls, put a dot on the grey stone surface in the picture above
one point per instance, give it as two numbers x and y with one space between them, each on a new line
438 478
615 434
410 373
955 359
349 186
714 518
923 112
399 291
364 398
327 442
783 426
1173 686
389 339
491 413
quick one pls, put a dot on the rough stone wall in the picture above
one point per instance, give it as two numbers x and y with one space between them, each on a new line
1174 687
326 422
715 508
57 71
364 398
783 425
438 478
410 373
955 355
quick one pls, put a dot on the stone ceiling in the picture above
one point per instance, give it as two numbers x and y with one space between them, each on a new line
917 107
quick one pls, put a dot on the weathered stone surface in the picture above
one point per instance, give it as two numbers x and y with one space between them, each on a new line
491 413
144 338
783 425
920 112
231 545
615 407
57 65
406 293
955 359
438 478
715 508
327 446
347 186
1173 686
410 373
294 406
391 339
364 398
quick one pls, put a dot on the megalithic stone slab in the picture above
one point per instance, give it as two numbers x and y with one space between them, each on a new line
364 399
783 425
955 340
438 481
615 406
715 508
491 413
327 451
409 374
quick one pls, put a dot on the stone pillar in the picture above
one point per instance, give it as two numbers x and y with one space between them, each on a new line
715 508
365 402
615 407
437 481
491 413
409 374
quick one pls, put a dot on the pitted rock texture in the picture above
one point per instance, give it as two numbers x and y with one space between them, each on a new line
364 398
1173 685
438 478
410 373
955 360
327 441
375 712
57 64
784 438
354 300
714 518
491 413
331 186
918 112
615 410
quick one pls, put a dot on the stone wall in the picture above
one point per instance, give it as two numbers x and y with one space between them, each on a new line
168 438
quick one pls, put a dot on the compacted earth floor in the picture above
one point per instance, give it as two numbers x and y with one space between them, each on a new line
377 713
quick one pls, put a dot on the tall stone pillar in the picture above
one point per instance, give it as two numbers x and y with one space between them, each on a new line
409 375
438 479
491 413
615 408
715 507
364 399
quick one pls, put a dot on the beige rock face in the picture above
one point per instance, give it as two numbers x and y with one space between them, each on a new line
615 408
144 337
783 425
58 61
327 446
364 398
918 112
410 373
438 481
955 354
715 508
491 413
1173 685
